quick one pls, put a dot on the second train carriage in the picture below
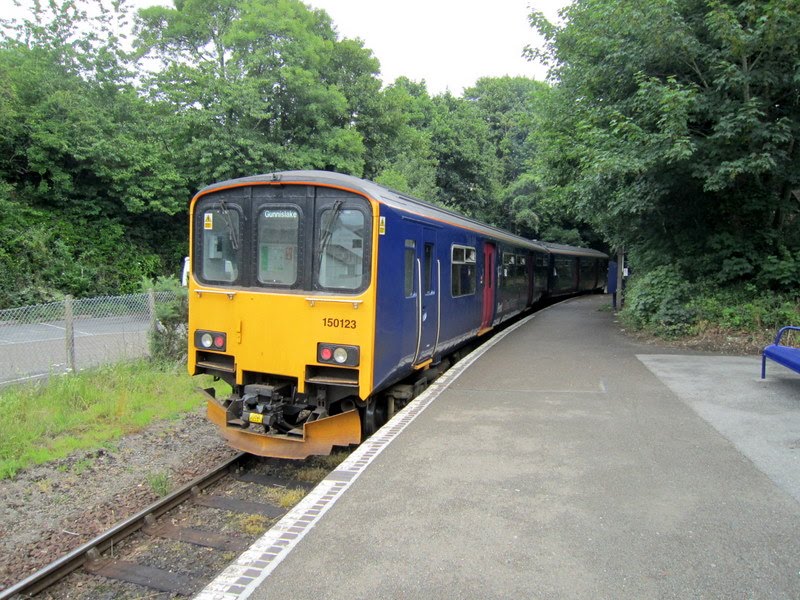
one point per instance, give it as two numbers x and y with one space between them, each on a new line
572 269
316 295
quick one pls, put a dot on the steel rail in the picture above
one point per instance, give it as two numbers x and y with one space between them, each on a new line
60 568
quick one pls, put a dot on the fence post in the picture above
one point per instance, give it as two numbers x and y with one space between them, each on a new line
69 333
151 307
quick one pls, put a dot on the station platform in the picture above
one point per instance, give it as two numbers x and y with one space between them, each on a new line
561 460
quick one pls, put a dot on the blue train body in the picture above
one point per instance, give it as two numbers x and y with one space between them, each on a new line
511 274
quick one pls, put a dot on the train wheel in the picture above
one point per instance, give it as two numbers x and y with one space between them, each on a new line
373 416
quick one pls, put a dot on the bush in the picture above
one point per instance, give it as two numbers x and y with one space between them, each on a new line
45 256
746 308
169 338
663 303
658 302
781 272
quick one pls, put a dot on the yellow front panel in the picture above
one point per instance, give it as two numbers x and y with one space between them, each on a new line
278 333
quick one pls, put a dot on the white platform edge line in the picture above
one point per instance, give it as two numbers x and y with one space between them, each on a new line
239 580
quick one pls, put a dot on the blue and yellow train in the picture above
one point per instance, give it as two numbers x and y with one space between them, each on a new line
327 302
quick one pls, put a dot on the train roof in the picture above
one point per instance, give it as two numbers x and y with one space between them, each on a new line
382 195
400 201
573 250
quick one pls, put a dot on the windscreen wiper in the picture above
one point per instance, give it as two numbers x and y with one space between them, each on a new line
232 232
327 233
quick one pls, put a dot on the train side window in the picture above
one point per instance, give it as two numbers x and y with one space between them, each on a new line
410 258
509 269
278 234
221 245
462 271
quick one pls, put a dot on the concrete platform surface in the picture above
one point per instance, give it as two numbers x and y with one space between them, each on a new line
567 461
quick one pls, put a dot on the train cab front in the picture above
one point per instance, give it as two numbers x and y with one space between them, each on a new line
281 308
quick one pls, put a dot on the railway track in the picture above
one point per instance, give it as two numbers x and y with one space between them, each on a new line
176 545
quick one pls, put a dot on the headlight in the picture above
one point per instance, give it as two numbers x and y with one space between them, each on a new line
206 340
340 355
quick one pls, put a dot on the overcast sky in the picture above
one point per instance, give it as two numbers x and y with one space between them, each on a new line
448 43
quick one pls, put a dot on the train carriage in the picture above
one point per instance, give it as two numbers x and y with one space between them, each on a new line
573 269
318 297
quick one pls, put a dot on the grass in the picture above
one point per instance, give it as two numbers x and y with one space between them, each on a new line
252 524
88 410
160 483
316 468
285 498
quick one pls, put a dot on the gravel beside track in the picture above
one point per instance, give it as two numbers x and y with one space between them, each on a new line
48 510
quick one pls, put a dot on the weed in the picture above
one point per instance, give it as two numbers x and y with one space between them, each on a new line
159 482
252 524
82 466
285 497
661 302
311 474
331 461
289 498
317 467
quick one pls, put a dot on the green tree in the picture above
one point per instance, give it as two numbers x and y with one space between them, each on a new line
675 130
258 85
401 154
84 164
468 170
509 106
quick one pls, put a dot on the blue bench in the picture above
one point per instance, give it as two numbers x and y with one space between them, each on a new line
787 356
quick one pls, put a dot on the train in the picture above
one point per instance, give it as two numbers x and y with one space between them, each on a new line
327 302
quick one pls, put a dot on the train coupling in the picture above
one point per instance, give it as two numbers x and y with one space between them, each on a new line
312 437
265 405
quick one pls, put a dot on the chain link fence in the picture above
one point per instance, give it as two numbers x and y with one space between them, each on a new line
67 336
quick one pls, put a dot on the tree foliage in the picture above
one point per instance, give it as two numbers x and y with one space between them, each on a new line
100 156
668 126
674 132
258 86
401 153
514 109
84 163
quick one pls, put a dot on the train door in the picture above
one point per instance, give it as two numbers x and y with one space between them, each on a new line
540 275
429 307
489 285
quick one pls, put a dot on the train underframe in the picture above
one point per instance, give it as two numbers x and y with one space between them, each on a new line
268 417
